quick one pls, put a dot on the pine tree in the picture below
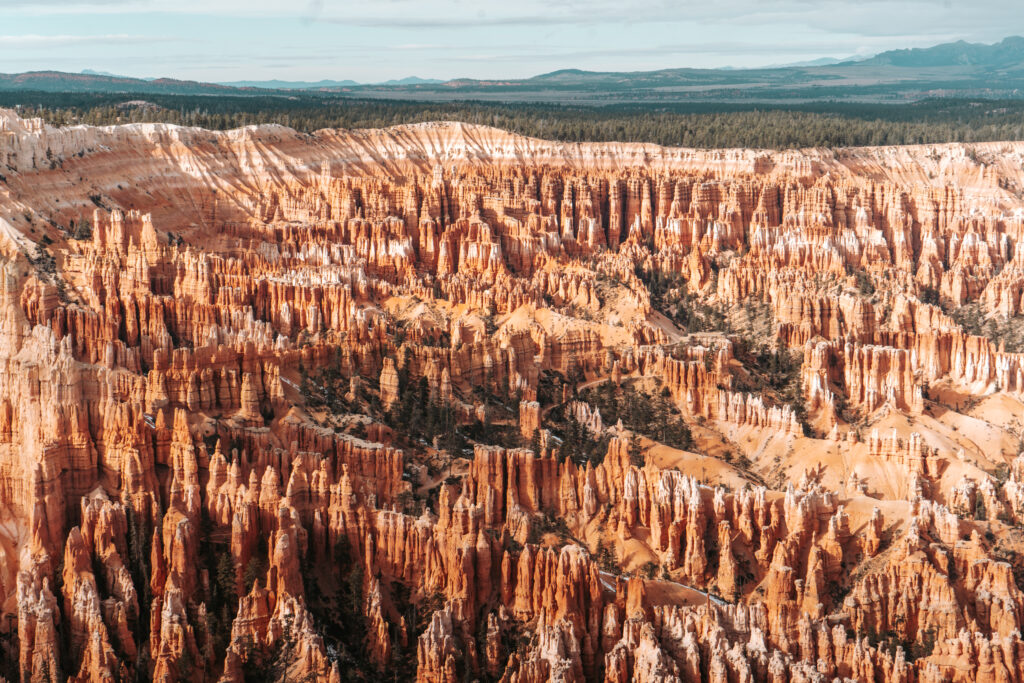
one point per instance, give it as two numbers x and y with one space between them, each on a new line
636 452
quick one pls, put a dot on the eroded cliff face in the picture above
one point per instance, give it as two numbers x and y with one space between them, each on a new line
442 403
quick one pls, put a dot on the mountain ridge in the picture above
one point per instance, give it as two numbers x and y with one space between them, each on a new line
957 69
1007 52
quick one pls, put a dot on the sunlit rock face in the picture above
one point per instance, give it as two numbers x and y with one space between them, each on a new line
442 403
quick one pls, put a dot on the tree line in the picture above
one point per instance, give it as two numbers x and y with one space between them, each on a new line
717 125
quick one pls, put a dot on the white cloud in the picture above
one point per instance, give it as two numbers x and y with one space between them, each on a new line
45 41
378 39
978 19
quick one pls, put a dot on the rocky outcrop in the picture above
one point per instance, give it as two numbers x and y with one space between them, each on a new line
271 416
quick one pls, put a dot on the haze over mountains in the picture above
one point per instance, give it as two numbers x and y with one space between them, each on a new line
89 80
957 69
313 85
1007 54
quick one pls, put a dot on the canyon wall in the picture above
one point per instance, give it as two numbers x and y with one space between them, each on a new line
445 403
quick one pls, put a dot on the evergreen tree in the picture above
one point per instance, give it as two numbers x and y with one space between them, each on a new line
535 442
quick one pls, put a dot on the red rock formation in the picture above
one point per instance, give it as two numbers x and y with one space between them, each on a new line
255 430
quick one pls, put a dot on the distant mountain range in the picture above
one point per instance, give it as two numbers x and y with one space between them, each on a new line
957 69
1007 54
89 80
59 81
290 85
317 85
821 61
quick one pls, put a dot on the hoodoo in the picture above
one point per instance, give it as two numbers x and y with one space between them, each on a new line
442 403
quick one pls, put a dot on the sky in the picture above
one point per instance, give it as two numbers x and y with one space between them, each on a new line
375 40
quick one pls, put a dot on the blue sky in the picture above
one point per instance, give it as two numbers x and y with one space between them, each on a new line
372 40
